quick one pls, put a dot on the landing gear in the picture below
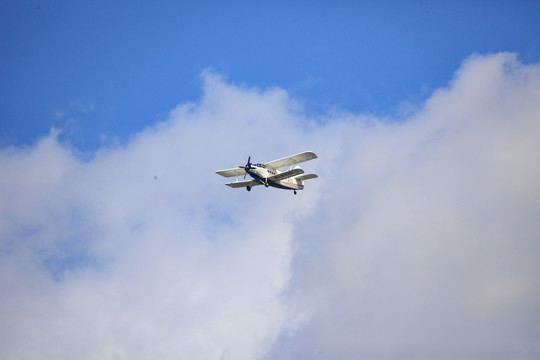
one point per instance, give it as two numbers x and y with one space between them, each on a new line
294 192
248 188
266 183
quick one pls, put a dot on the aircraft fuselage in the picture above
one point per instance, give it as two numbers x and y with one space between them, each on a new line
261 174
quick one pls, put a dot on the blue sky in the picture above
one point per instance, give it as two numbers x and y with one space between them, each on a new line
102 70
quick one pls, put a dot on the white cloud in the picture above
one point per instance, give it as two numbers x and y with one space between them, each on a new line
419 238
427 245
142 252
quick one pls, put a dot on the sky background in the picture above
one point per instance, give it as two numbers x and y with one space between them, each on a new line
103 70
419 239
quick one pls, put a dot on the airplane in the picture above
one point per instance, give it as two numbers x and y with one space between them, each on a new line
267 174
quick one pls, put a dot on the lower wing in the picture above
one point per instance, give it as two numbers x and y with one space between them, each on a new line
239 184
286 174
306 177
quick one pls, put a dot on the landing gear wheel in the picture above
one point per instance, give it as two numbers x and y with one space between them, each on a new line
266 185
294 192
248 188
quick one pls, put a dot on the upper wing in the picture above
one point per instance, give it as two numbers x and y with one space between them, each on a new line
291 160
245 183
231 172
286 174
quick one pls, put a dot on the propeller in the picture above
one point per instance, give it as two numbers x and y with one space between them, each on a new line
247 167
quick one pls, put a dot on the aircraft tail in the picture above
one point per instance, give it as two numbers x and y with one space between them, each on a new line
300 179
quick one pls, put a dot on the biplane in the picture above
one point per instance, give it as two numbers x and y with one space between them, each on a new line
268 174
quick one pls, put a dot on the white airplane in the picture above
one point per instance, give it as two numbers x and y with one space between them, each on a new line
267 174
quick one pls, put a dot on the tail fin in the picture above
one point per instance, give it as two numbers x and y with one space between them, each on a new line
300 179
